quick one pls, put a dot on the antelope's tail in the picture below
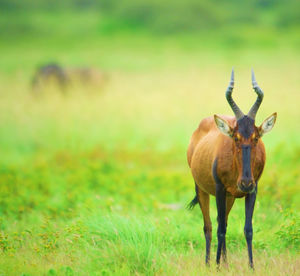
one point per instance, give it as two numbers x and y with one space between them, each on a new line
192 204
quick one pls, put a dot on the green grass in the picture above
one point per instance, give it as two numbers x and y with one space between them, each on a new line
96 182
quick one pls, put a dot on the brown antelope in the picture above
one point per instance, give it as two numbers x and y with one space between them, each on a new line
227 157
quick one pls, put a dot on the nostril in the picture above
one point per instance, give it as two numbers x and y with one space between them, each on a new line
247 183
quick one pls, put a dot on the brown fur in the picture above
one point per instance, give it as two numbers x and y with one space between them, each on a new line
208 144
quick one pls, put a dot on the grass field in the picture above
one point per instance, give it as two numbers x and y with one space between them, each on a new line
96 182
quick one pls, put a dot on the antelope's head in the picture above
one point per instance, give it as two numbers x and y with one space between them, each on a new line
245 135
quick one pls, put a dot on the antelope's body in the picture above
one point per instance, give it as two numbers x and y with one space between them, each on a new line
227 157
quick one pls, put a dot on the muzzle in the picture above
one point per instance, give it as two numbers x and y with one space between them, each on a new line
246 185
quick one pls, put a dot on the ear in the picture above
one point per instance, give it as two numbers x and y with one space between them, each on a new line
223 126
267 124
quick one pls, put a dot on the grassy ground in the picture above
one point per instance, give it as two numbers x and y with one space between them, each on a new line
96 182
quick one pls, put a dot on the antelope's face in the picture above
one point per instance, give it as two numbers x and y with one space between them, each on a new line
246 136
245 139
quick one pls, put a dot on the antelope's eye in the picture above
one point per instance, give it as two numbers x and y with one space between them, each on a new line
237 137
254 137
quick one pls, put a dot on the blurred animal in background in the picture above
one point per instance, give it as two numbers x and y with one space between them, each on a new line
53 75
47 75
86 76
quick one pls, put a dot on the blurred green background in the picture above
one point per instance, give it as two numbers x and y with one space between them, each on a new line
94 181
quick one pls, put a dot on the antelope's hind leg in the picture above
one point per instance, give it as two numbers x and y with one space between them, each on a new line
203 199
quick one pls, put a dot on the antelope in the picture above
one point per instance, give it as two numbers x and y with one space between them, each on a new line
48 73
227 157
64 77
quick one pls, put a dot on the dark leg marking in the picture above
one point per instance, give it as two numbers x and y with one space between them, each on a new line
229 204
221 207
248 230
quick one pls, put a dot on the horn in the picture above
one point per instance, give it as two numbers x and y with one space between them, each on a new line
236 110
260 96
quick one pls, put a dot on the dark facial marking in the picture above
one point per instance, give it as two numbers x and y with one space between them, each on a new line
245 126
246 153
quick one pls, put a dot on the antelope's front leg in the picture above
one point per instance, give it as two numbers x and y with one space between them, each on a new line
248 231
221 206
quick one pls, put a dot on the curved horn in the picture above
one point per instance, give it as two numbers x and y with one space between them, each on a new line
260 96
236 110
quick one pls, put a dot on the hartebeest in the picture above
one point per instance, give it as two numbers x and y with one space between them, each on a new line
64 77
227 157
